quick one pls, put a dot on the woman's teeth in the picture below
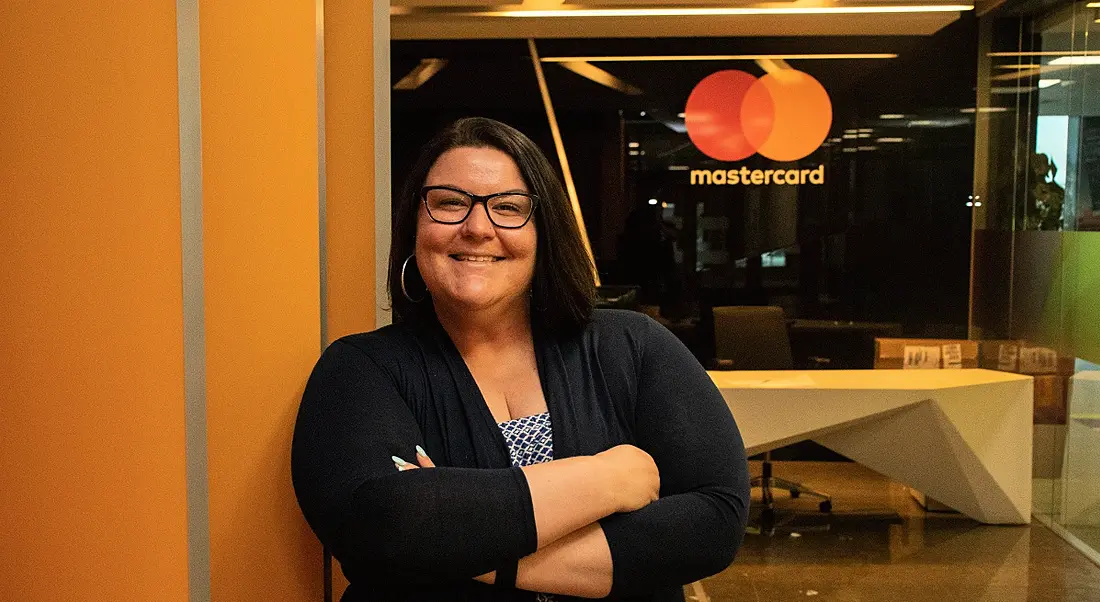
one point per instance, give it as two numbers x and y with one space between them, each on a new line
475 258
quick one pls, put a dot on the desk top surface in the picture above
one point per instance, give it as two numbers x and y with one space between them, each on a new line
859 379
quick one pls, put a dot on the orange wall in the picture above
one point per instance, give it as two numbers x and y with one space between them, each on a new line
349 144
262 287
92 455
91 360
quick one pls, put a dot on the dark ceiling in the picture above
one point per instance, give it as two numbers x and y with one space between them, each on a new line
493 75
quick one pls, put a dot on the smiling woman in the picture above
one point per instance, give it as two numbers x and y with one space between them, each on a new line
559 450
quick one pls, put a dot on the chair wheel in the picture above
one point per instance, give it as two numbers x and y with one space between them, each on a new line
826 506
795 493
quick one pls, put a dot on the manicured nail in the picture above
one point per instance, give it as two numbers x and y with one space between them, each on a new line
398 461
420 450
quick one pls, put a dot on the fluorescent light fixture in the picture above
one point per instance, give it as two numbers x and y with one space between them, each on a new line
681 115
679 168
1046 83
1093 59
420 74
632 144
633 153
865 130
652 201
707 12
984 110
891 116
715 57
850 136
890 140
1010 89
1093 5
868 148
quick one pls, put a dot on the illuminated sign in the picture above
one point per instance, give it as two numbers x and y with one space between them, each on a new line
784 116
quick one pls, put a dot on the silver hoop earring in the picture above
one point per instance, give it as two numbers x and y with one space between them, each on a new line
404 290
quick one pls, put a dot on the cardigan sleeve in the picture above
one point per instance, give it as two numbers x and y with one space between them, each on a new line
697 525
431 525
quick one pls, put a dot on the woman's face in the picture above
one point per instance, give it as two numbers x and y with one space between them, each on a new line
475 265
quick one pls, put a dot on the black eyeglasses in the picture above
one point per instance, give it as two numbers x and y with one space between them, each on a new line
448 205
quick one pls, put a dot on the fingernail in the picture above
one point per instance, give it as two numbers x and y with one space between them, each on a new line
398 461
420 450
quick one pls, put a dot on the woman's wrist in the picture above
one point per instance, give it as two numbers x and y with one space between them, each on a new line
605 475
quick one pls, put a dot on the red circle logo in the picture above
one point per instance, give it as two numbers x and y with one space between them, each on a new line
784 115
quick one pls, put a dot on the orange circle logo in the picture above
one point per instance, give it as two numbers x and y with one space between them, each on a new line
784 115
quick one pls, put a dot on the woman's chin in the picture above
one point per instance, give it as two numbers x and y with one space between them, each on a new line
470 300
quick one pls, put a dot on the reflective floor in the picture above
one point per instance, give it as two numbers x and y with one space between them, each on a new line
880 545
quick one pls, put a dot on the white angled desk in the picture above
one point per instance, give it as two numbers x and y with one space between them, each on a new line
962 437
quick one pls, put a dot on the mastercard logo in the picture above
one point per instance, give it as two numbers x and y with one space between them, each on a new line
784 115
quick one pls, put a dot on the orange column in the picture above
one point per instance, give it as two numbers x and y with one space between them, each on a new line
91 350
349 144
349 169
262 287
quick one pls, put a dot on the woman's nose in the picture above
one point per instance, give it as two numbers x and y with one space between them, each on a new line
478 223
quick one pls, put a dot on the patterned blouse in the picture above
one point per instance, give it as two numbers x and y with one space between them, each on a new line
530 441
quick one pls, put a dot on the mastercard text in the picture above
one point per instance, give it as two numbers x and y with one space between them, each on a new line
745 176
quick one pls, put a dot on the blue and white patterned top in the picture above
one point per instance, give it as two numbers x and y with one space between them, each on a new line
530 441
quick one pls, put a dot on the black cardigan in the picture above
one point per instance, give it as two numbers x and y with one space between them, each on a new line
423 534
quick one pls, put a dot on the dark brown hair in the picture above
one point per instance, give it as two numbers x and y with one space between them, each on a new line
563 291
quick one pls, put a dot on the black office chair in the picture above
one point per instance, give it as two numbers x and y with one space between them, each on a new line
755 338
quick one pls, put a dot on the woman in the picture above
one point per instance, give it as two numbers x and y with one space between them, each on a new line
504 438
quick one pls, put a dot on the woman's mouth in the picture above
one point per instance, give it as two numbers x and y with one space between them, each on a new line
475 258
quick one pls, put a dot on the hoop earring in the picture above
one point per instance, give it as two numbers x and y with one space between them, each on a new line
404 290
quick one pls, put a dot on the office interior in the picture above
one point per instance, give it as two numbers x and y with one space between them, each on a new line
199 192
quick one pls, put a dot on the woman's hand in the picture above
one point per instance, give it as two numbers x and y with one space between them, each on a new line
632 476
422 459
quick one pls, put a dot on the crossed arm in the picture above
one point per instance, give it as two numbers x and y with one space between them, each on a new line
567 521
569 496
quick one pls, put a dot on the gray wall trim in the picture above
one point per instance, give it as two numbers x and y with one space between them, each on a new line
322 177
194 317
381 20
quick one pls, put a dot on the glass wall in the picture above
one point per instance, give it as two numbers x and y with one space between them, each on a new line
876 242
1036 279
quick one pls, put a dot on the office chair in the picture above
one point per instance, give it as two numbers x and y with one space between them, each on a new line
755 338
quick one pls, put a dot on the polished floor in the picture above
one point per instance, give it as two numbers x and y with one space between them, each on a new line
879 545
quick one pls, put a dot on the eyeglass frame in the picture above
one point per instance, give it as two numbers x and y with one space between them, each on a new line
477 198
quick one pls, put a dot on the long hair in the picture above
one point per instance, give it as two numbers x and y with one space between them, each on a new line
563 291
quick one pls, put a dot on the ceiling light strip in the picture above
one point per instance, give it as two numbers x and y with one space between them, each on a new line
723 11
715 57
1048 53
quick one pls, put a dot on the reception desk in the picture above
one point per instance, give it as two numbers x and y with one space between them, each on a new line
962 437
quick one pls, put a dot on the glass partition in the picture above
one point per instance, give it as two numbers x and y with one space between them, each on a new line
1036 280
